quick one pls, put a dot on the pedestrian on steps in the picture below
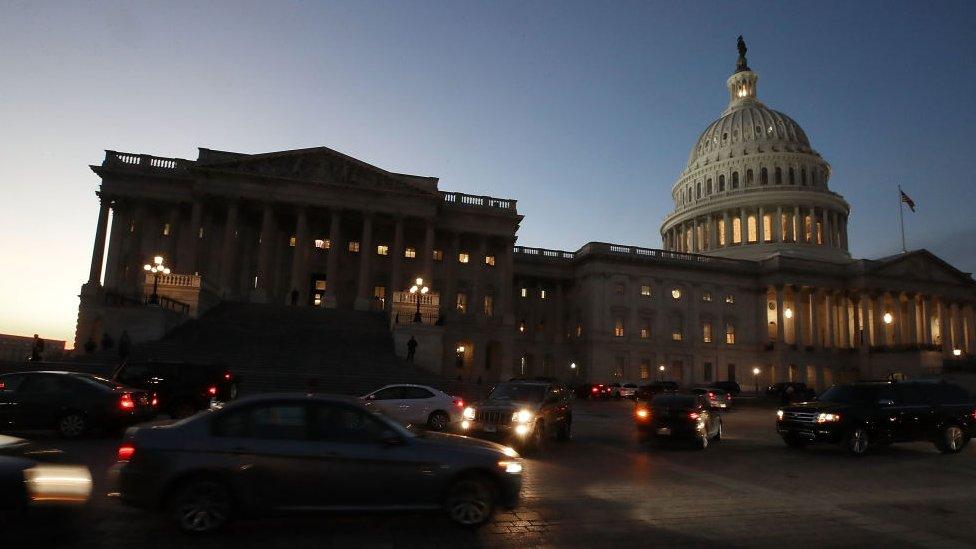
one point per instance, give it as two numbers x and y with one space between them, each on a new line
411 349
294 297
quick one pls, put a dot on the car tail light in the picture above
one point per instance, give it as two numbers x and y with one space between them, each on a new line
974 411
459 403
2 386
228 376
126 451
595 389
155 400
694 415
711 394
126 402
212 391
728 397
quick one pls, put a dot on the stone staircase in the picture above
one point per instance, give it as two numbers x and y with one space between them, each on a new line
280 348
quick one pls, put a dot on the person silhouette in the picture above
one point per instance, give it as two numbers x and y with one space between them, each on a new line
411 348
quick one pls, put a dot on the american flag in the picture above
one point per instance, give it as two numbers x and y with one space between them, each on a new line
907 200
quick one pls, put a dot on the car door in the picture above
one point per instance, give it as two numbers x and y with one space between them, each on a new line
8 399
367 463
389 401
41 398
915 411
419 404
265 447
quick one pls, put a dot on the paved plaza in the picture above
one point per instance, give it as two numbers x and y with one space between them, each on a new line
604 489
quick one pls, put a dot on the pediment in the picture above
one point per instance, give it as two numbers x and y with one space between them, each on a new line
319 166
922 266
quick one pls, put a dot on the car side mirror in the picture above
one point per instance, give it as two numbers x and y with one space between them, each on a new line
886 402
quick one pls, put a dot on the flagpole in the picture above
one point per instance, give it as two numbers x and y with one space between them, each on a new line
901 217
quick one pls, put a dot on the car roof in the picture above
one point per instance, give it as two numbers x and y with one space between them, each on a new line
56 372
308 397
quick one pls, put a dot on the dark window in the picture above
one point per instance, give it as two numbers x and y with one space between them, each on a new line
272 421
134 374
749 177
735 180
416 392
708 371
390 393
792 176
11 382
42 384
912 395
338 423
947 394
779 176
721 183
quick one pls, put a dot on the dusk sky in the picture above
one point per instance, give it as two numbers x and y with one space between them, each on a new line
583 112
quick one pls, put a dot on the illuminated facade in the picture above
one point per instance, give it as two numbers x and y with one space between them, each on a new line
754 271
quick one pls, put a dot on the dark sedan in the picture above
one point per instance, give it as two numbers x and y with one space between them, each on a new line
279 454
71 403
678 417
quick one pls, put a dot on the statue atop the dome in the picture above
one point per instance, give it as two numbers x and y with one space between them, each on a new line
741 65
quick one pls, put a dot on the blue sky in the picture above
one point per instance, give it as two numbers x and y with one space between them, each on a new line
583 111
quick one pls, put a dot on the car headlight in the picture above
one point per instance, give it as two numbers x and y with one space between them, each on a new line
512 467
522 416
468 413
779 414
510 452
828 418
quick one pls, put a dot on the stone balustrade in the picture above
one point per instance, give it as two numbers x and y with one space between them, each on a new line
461 199
648 254
144 161
175 280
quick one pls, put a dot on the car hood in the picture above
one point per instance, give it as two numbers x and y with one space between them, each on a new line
459 442
507 405
815 406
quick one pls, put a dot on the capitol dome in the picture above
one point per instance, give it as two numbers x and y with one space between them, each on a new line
754 186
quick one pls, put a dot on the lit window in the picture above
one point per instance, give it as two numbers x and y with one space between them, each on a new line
676 293
354 246
676 336
524 292
489 306
722 240
736 230
645 369
322 244
767 227
462 303
707 332
382 249
730 299
706 296
618 328
200 233
542 294
438 255
320 285
132 225
645 332
463 257
752 228
291 241
379 292
646 290
166 229
490 260
255 281
579 330
521 327
410 253
730 333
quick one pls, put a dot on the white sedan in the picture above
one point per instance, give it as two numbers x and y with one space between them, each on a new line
417 405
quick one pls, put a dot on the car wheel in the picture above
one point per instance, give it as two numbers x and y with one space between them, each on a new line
565 431
857 441
183 410
794 441
233 391
201 506
471 501
72 425
438 421
953 440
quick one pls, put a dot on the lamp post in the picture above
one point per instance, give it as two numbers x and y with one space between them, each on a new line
755 376
660 370
417 290
157 269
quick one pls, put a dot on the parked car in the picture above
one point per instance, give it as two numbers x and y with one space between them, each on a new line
306 453
613 390
34 481
861 415
523 413
717 399
628 390
587 391
71 403
647 392
678 416
417 405
791 391
731 387
182 388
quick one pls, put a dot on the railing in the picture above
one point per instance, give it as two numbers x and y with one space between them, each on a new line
177 280
543 252
653 254
144 161
404 307
462 199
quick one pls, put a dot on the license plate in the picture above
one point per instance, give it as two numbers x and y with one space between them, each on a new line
490 428
664 431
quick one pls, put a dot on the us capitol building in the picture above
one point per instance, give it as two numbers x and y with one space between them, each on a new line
754 281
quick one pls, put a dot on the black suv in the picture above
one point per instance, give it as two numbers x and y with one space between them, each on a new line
523 413
863 414
182 388
646 392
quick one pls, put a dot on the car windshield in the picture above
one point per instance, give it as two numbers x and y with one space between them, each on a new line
849 394
524 393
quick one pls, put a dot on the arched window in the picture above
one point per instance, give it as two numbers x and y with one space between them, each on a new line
803 176
779 175
708 186
749 177
763 177
792 176
698 190
721 183
735 180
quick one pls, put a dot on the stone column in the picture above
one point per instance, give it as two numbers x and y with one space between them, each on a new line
332 261
449 296
189 261
428 262
171 256
860 322
943 313
799 323
825 215
299 277
396 278
98 250
364 289
777 225
926 303
727 228
955 326
712 232
829 320
780 319
761 226
503 302
971 330
265 256
694 236
113 265
478 286
912 320
844 320
797 224
843 232
816 308
228 253
743 226
898 323
880 338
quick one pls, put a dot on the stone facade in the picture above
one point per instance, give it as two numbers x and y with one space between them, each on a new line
755 282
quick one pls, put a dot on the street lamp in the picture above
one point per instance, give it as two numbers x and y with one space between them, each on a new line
888 319
660 369
755 375
417 290
157 269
